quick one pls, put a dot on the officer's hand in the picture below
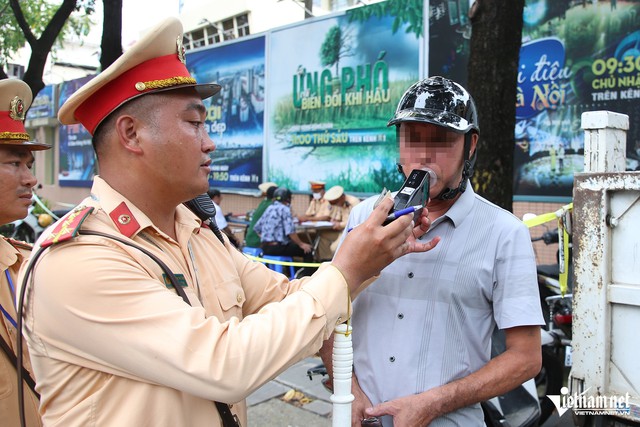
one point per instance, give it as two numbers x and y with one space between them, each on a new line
370 247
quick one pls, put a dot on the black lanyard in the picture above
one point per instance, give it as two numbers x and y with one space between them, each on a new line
227 417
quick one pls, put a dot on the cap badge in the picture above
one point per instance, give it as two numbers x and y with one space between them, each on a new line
16 111
181 50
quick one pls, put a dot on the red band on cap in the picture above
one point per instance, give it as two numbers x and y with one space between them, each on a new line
113 94
9 125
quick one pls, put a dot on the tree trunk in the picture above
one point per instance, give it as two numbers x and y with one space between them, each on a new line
111 44
41 47
493 68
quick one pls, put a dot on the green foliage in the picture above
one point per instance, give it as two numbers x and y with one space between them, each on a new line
330 49
405 11
38 13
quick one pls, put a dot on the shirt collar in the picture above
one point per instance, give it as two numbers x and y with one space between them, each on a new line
8 254
109 200
462 207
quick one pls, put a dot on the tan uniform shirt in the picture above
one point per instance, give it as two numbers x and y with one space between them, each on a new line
11 257
340 214
112 345
318 208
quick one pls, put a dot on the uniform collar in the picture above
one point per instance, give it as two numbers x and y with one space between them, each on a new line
9 255
127 218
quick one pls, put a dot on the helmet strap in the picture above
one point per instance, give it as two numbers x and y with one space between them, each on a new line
467 172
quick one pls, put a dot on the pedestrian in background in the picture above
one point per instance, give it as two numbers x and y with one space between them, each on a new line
266 189
221 221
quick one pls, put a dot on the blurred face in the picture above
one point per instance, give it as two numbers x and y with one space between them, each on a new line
424 145
16 182
317 193
177 144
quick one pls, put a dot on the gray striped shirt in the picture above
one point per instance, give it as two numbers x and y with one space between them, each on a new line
428 319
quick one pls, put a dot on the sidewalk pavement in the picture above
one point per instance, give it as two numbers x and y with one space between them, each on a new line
266 408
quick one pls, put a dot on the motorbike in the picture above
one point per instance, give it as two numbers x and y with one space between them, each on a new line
38 218
556 334
519 407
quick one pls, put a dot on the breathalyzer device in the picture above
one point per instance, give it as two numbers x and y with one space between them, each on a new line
414 191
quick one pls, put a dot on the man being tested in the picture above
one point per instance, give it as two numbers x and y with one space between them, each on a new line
112 343
16 182
422 331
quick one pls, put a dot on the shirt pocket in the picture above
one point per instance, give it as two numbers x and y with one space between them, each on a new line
231 298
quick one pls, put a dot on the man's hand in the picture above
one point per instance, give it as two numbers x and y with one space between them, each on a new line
520 362
305 247
403 411
359 404
370 247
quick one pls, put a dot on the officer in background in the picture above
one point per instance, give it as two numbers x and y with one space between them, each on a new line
137 313
16 183
266 189
340 205
318 209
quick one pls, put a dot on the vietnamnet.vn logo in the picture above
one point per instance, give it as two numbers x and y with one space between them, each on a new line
582 404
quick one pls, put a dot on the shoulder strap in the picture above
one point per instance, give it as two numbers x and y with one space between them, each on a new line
14 361
228 418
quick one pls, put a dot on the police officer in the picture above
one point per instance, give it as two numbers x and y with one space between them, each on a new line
137 314
318 209
16 182
340 205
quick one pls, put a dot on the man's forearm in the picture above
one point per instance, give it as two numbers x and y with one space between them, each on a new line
502 374
296 239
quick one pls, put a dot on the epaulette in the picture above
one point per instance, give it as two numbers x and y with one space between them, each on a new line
19 244
67 227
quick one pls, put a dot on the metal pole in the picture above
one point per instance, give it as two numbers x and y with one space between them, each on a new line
342 367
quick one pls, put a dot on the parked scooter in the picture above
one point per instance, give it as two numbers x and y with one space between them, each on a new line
556 336
29 228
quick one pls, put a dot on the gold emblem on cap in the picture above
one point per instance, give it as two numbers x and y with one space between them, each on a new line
124 219
165 83
181 51
16 109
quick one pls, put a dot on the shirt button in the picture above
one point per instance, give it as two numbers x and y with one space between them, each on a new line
400 316
239 298
410 275
392 359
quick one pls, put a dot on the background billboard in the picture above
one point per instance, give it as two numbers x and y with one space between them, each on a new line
330 97
235 116
576 56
